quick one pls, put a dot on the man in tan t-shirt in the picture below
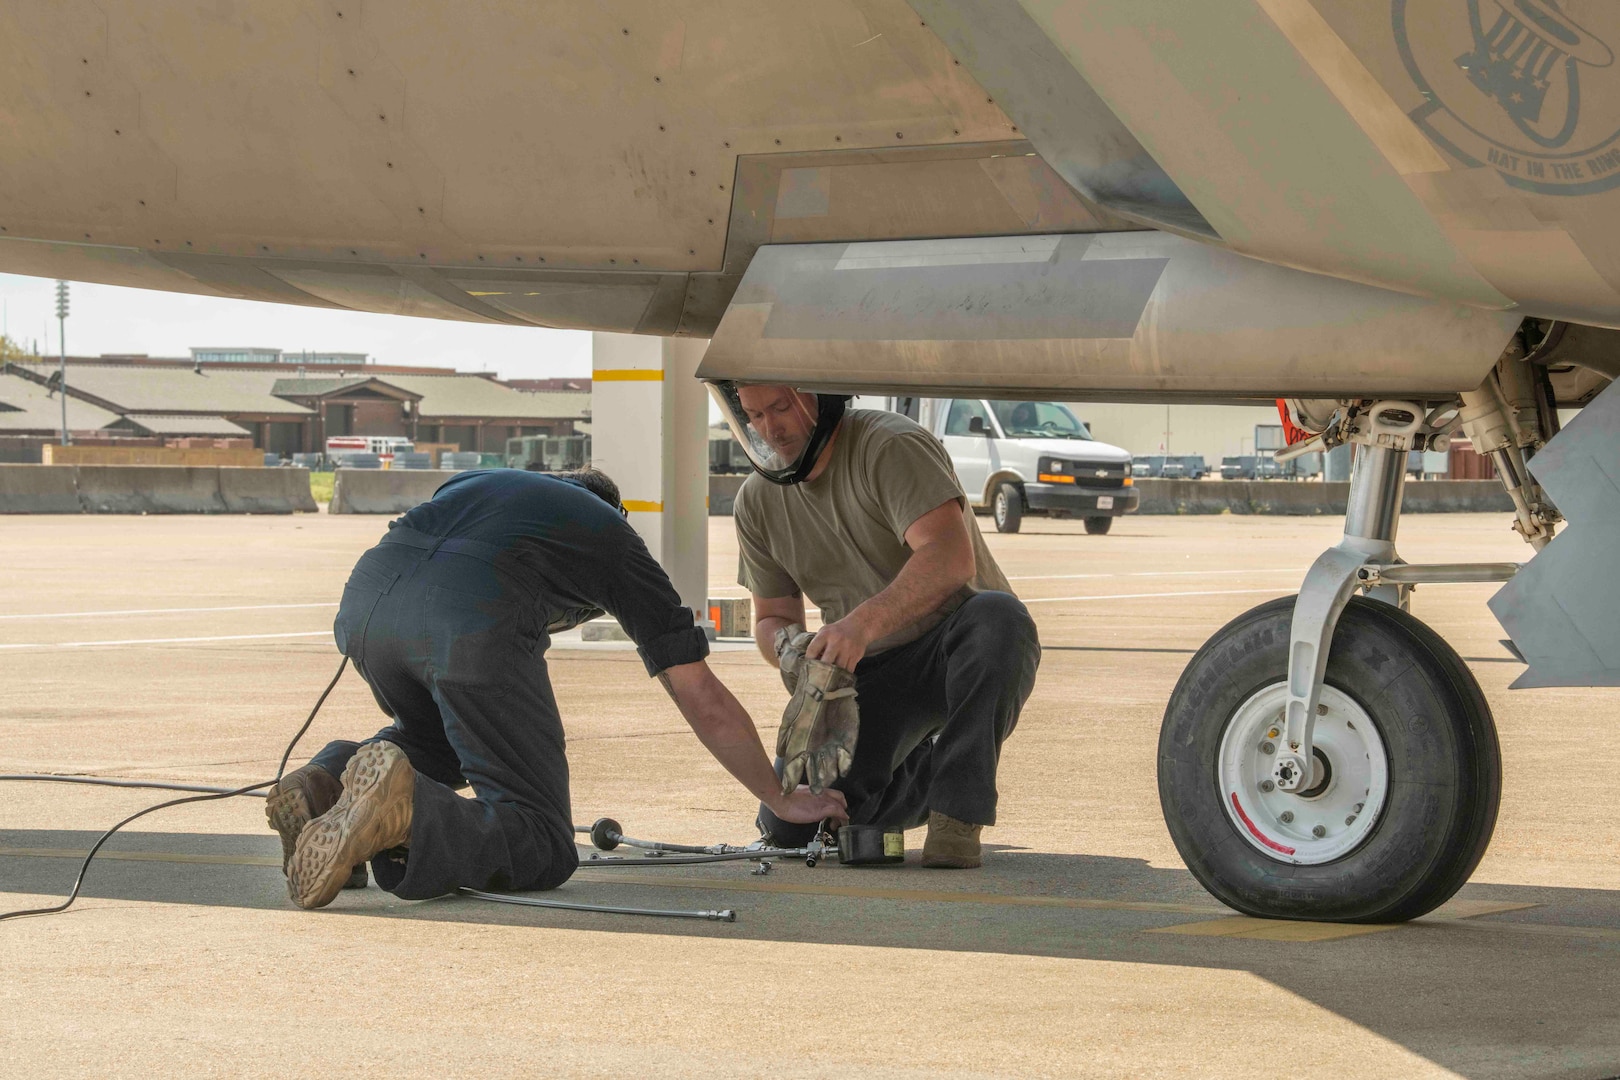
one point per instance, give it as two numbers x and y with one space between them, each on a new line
861 512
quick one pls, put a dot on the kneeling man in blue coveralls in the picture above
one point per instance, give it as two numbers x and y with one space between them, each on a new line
448 620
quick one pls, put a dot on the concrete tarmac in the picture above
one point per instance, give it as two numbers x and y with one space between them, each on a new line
190 649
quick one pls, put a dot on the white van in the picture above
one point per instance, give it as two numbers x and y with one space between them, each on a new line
1018 457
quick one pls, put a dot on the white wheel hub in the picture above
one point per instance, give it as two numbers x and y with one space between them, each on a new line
1336 812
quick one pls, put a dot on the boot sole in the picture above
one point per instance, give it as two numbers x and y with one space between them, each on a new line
373 814
288 813
952 862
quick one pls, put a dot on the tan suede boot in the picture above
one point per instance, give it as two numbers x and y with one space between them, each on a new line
373 814
951 844
302 796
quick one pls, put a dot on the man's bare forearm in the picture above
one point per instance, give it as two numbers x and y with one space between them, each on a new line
928 578
765 636
772 613
725 730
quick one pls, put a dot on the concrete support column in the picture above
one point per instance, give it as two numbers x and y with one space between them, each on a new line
649 420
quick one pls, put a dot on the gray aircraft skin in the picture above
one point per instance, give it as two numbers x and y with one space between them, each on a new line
616 166
1403 216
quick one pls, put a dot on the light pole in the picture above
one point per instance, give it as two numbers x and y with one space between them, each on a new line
61 341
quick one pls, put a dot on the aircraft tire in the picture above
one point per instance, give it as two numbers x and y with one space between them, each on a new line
1427 730
1098 526
1007 506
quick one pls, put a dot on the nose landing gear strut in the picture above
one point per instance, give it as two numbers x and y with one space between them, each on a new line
1344 743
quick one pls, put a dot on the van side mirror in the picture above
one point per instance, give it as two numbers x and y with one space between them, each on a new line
976 426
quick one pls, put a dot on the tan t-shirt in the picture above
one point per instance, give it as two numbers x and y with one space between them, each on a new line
840 539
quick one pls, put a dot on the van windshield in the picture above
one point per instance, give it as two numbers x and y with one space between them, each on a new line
1038 420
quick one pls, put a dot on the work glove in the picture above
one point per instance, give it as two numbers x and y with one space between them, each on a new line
791 641
817 739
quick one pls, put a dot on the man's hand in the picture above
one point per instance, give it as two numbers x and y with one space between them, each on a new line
804 808
941 562
842 643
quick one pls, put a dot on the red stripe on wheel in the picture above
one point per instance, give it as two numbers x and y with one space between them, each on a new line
1258 835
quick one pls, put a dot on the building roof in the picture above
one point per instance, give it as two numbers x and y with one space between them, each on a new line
306 387
474 396
320 387
29 407
158 424
171 391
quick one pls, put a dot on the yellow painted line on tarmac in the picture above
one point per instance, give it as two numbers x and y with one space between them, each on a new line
145 856
1473 909
1241 926
713 884
920 896
1249 929
628 375
1233 926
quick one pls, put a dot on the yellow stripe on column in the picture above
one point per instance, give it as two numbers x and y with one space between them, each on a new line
642 506
629 375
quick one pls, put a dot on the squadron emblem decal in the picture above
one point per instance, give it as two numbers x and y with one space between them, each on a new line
1528 87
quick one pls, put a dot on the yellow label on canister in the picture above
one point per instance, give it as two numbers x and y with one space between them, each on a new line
894 845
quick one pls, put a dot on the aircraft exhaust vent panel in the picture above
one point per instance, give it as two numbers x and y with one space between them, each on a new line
1138 316
1563 609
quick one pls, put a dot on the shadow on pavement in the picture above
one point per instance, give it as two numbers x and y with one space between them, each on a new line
1523 993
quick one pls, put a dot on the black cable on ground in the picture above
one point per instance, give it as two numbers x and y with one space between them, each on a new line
281 769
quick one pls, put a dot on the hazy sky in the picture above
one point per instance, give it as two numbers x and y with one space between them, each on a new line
109 319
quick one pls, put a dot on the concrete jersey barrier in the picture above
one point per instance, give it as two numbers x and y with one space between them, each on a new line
38 489
1310 498
266 491
384 491
149 489
152 489
1288 498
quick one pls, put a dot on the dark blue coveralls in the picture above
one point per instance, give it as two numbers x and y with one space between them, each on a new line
448 620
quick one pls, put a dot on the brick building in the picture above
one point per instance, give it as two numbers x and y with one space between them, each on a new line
282 409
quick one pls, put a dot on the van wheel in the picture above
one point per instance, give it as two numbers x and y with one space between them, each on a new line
1098 526
1008 507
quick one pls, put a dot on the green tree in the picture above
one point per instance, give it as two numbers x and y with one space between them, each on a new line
11 350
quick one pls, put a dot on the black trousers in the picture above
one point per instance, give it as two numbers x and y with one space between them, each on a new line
452 650
934 714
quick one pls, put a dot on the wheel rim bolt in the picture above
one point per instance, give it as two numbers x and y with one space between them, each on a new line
1351 820
1268 748
1267 786
1287 816
1319 832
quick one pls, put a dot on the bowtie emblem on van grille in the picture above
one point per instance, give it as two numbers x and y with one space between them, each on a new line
1102 472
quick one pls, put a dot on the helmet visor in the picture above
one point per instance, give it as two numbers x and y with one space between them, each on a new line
793 434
